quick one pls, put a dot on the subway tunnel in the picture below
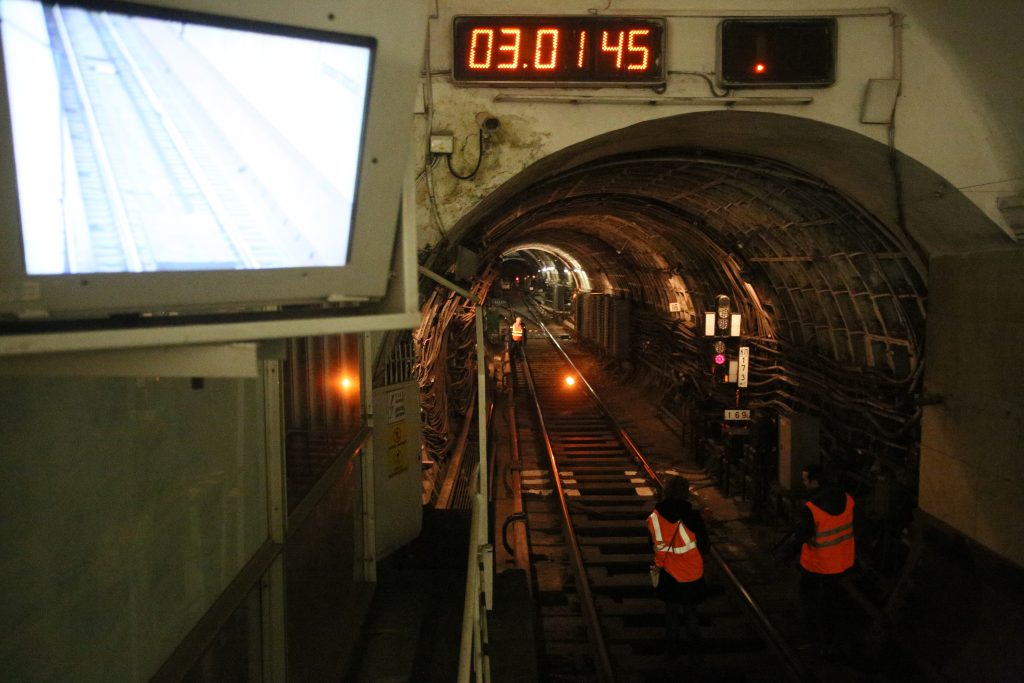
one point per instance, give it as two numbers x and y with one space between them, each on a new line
821 240
204 518
816 255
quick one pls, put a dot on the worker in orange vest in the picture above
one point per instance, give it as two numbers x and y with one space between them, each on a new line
824 535
517 337
680 540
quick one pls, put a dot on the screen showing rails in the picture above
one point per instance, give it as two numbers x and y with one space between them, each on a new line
151 141
556 50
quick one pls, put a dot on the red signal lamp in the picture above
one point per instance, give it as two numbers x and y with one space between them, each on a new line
719 359
760 68
570 380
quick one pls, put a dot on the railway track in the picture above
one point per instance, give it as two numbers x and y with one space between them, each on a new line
157 186
586 493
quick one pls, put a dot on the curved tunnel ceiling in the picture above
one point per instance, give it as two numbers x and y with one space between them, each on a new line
804 263
804 225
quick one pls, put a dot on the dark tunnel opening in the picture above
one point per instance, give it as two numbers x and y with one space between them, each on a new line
832 301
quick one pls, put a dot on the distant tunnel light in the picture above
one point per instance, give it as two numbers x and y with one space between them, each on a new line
760 68
570 380
346 384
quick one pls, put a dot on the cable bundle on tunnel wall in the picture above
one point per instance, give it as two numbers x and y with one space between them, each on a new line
445 367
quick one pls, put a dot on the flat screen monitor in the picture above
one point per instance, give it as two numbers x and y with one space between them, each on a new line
174 158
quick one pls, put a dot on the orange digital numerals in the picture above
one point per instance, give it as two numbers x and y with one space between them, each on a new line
627 42
502 49
509 41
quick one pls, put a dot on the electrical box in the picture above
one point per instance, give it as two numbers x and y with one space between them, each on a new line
442 143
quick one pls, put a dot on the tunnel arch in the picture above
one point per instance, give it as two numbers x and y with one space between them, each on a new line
817 233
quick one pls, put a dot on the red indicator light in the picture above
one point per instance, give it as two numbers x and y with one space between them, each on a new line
582 53
719 359
760 68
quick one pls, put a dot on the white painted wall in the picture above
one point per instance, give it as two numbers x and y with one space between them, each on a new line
972 443
959 112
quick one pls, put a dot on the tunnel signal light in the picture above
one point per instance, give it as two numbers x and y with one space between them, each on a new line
723 309
719 350
570 380
722 322
760 68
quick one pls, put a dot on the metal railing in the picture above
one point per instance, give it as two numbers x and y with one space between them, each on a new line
473 658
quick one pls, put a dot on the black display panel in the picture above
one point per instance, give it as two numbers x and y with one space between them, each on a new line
554 50
777 52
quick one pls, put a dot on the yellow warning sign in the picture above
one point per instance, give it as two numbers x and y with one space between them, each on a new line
396 460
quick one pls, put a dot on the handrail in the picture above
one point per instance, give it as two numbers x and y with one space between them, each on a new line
479 583
473 656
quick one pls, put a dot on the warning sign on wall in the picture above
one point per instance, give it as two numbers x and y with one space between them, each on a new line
396 406
395 459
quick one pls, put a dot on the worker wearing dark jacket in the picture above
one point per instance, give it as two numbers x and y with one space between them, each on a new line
824 537
680 540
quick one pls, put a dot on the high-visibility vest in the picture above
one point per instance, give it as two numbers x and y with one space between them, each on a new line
517 332
679 555
830 550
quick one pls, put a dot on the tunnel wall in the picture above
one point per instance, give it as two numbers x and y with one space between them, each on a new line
972 462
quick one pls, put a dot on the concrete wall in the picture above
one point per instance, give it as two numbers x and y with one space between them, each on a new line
956 114
972 458
128 504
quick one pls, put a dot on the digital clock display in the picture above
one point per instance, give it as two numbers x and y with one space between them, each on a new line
558 50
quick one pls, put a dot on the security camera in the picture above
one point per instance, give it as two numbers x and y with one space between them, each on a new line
488 122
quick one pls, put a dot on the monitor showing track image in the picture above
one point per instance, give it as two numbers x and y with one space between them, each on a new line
168 157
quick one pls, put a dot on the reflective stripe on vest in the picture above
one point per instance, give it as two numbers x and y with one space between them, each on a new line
831 549
517 333
676 556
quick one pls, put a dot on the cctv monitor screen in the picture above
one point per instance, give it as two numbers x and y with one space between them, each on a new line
148 142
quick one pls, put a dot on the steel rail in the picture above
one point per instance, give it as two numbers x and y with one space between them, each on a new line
602 660
122 224
789 660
